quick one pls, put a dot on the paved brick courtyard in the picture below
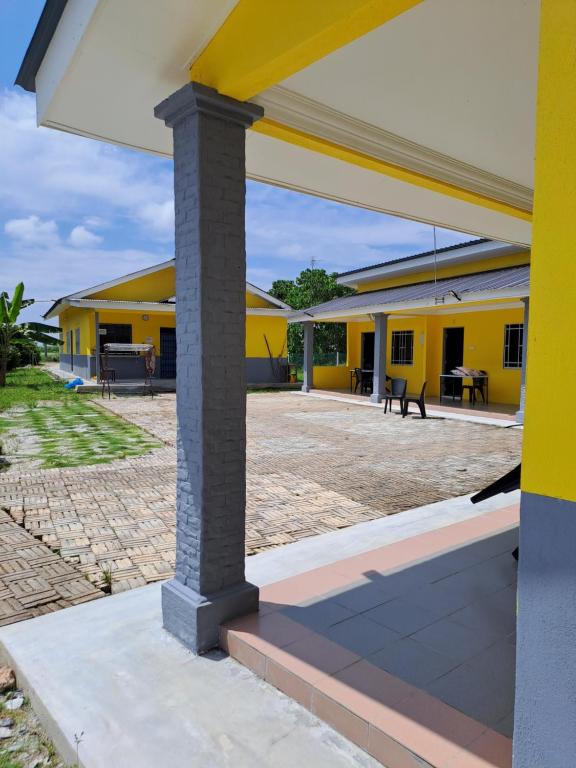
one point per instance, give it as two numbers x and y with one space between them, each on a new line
313 466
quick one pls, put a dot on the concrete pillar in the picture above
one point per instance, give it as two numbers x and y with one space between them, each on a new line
209 183
520 411
380 340
308 356
545 707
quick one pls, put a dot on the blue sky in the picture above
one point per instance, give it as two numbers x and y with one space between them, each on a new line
75 212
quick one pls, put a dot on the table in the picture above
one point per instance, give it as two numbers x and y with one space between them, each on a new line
353 374
453 376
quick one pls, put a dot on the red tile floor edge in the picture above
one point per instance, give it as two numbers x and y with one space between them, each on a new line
395 722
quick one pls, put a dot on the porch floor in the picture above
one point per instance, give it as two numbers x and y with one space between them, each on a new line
497 413
108 669
408 649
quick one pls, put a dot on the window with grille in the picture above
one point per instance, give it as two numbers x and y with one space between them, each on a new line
402 352
513 343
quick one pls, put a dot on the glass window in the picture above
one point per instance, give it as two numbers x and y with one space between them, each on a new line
115 333
402 348
513 343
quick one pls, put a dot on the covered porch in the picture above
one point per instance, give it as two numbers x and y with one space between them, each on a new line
393 106
425 331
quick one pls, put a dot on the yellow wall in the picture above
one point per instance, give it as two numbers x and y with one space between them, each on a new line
331 376
257 301
275 329
549 424
483 349
415 374
483 265
70 320
157 286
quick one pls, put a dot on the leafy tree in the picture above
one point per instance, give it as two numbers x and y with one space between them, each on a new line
16 338
312 287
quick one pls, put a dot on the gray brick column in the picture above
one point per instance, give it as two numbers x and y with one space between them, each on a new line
209 184
308 383
380 339
520 411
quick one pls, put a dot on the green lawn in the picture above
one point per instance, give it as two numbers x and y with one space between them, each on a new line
57 429
26 386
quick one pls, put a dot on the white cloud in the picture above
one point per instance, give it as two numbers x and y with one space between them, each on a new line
290 232
80 237
33 231
59 175
158 217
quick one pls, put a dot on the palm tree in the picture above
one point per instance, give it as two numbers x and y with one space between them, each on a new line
11 330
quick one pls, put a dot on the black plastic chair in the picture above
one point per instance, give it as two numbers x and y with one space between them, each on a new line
397 392
477 385
418 400
364 380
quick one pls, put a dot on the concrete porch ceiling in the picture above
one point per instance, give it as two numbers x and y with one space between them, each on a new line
424 111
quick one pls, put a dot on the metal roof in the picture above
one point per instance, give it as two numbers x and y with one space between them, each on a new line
467 244
513 279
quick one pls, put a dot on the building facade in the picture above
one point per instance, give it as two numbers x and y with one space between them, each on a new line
459 306
141 308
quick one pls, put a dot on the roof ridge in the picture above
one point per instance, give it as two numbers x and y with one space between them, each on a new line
456 246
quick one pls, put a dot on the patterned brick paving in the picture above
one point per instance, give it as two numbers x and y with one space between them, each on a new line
33 579
313 466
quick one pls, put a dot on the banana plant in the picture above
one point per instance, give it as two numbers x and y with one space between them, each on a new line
11 330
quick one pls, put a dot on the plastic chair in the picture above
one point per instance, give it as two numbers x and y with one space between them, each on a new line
477 385
397 392
418 399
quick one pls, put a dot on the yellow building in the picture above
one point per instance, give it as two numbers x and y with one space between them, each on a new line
141 308
450 112
457 306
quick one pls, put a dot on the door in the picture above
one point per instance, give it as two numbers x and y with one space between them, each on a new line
368 351
453 356
167 353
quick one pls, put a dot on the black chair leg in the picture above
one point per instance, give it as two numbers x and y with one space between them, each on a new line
422 407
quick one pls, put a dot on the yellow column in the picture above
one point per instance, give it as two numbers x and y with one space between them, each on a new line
548 461
544 732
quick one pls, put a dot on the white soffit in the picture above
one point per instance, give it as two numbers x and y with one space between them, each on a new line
294 167
111 62
454 76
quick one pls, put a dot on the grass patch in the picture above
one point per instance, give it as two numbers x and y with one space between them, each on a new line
58 428
27 386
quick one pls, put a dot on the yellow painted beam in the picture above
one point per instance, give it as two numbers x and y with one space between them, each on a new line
339 152
262 42
550 421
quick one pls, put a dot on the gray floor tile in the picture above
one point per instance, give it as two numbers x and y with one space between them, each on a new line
401 616
495 613
483 689
362 597
454 640
413 662
360 635
444 597
320 615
